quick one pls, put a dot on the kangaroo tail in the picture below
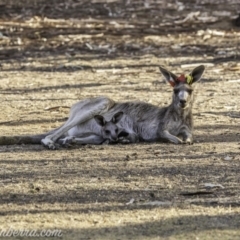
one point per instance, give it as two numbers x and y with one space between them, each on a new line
25 139
31 139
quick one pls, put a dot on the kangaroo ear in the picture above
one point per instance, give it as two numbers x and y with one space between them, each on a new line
117 117
197 73
169 76
100 120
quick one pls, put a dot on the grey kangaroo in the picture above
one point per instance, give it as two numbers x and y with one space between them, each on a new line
96 131
141 121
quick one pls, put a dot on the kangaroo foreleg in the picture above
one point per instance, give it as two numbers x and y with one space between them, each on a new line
91 139
187 137
167 135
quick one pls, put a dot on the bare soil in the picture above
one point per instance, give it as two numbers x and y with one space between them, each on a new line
54 53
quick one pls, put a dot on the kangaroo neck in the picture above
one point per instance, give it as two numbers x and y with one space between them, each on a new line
181 112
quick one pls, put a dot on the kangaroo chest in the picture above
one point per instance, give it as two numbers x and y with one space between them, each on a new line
175 124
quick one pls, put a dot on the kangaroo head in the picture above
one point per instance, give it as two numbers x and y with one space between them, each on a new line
182 86
110 129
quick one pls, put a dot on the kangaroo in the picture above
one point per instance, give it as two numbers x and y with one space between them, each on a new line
141 121
109 131
96 131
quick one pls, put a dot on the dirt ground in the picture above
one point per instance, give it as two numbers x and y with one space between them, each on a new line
54 53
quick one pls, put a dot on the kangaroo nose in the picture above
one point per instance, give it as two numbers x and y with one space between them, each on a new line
182 101
115 138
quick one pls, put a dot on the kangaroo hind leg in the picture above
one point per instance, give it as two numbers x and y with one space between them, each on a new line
79 113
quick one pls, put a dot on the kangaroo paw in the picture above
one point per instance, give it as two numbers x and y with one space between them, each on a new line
67 141
106 142
48 143
171 138
188 141
177 141
123 140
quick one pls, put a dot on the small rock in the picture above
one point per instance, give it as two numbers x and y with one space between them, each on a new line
228 158
131 201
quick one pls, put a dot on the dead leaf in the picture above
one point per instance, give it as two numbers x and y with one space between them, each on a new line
212 185
192 65
157 203
55 108
132 200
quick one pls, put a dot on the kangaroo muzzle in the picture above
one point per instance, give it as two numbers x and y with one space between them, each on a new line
183 98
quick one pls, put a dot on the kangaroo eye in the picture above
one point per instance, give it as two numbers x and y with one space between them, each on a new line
190 91
176 91
116 131
107 132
